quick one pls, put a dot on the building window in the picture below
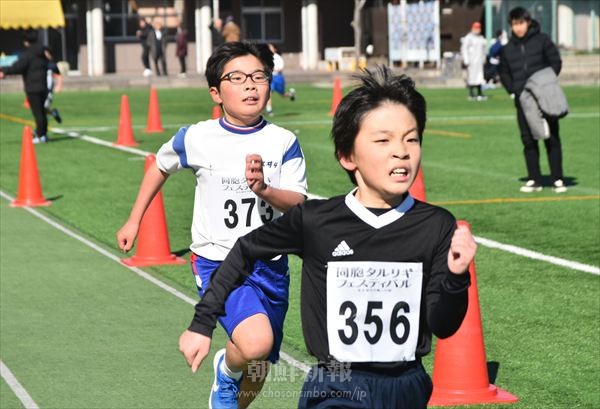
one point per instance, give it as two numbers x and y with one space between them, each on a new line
120 21
262 20
121 17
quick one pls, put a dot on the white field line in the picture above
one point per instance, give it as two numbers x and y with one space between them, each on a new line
573 265
17 388
99 141
574 115
538 256
285 357
481 240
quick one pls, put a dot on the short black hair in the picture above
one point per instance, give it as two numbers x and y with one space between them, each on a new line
233 49
377 87
518 14
31 36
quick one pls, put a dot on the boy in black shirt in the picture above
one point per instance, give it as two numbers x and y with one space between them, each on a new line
381 270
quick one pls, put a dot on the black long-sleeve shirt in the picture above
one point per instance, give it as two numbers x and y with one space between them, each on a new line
326 232
33 66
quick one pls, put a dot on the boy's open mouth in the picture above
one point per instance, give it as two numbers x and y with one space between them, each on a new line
399 172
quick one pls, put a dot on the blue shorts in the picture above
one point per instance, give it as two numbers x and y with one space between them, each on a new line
278 83
265 291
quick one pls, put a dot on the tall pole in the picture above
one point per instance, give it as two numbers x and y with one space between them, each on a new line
203 34
553 19
216 9
488 22
310 38
95 37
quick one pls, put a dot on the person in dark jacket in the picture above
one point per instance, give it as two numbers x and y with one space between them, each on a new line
216 31
181 49
157 42
142 34
33 66
528 51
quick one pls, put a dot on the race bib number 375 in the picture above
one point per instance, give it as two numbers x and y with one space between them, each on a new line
239 209
373 310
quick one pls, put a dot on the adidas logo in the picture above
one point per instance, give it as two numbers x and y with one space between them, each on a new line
342 249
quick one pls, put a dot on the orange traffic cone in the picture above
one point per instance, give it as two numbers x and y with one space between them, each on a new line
153 239
125 137
26 103
460 375
337 96
153 124
216 112
417 190
30 190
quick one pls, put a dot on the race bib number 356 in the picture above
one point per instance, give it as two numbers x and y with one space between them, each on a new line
373 310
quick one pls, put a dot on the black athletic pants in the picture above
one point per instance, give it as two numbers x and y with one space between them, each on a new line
531 149
36 102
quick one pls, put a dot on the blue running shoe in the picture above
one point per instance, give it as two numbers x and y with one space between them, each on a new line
223 394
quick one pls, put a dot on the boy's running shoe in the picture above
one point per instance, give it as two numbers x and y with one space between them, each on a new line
292 94
223 394
531 186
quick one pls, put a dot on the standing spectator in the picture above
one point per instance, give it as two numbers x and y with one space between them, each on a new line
142 33
231 31
278 80
472 50
33 66
181 50
528 51
217 34
493 59
157 42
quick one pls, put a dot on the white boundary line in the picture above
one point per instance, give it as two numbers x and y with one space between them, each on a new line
285 357
481 240
99 141
574 265
573 115
17 388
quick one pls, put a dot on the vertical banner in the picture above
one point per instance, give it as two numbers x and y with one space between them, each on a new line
396 34
414 32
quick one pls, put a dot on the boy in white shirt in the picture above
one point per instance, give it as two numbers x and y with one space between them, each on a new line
248 172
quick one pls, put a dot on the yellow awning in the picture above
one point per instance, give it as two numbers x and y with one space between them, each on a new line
15 14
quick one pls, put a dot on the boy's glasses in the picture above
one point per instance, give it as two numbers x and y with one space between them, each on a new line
238 77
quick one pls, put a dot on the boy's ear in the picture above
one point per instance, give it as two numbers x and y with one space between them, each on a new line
347 162
215 95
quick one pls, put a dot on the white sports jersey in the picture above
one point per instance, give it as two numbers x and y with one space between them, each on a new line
278 63
225 208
